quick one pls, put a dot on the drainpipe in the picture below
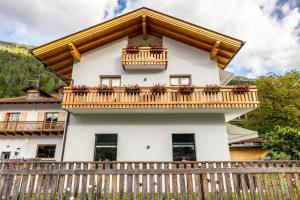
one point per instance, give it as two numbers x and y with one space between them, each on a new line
65 137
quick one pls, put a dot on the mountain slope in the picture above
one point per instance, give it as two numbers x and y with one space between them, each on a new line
18 66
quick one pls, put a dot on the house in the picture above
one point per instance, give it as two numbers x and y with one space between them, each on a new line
32 126
245 144
146 86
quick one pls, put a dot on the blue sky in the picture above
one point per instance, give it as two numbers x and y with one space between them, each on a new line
271 28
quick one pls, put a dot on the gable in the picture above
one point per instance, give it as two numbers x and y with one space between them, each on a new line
60 54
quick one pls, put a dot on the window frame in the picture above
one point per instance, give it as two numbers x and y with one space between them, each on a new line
179 77
37 150
10 114
194 144
106 146
110 77
46 113
5 152
30 96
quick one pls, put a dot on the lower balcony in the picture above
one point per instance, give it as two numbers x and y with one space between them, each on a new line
171 100
31 128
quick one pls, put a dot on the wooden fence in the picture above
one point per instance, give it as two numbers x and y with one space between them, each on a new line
150 180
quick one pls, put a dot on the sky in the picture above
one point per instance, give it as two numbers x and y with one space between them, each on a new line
270 28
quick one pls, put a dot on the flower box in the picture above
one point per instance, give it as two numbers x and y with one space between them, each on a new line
132 49
80 89
242 88
156 48
158 89
186 89
104 89
131 89
212 89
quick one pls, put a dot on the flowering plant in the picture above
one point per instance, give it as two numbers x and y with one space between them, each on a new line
243 87
133 88
105 89
156 48
132 49
212 88
79 89
158 89
186 89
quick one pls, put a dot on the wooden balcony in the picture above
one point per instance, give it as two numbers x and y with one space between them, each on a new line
31 128
144 58
198 100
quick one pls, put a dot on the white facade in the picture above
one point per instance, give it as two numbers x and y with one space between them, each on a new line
182 59
136 131
26 145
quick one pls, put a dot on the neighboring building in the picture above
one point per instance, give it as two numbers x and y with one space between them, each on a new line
32 126
122 123
245 144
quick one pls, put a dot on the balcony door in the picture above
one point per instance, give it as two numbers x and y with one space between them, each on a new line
51 119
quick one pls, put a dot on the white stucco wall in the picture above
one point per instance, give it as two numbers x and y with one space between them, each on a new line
182 59
28 145
136 131
32 110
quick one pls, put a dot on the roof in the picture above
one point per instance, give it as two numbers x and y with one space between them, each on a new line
238 134
24 100
58 55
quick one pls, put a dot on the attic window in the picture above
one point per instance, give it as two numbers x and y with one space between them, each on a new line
32 96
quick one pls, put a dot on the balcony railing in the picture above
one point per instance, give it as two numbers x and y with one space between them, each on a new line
144 58
31 127
171 99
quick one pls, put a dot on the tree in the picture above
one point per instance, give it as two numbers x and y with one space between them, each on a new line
279 97
283 142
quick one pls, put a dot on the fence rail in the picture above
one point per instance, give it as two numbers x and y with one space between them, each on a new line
31 127
150 180
171 99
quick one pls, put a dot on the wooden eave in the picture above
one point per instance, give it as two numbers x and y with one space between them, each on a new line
58 56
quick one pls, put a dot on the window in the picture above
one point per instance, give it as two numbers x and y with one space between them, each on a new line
32 96
106 147
46 151
51 117
13 117
183 147
5 155
112 81
177 80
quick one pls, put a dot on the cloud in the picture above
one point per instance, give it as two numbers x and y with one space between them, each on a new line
270 28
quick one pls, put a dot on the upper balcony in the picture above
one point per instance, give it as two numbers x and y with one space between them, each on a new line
172 99
144 58
31 128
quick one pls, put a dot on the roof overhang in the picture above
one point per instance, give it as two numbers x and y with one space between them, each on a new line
60 54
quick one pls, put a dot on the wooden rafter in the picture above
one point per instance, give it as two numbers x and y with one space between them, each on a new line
74 51
144 27
215 49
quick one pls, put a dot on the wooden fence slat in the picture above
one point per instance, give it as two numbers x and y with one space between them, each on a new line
152 183
114 183
17 183
228 182
129 183
198 184
144 183
53 184
189 180
159 183
167 182
174 183
136 183
61 183
182 183
76 181
31 183
213 185
91 187
99 183
205 182
69 181
106 183
40 181
84 183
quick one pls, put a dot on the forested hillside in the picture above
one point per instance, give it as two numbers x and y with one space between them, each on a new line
18 66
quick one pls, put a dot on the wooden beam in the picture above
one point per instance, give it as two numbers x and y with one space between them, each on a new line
74 51
215 49
144 27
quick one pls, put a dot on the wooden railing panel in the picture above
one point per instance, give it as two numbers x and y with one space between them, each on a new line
120 99
152 180
144 56
21 127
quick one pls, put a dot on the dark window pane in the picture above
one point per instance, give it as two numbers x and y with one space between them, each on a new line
183 139
183 147
106 139
46 151
105 153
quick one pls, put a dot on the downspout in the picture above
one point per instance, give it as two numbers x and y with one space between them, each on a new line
65 137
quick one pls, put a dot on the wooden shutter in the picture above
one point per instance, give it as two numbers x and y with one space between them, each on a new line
61 116
23 116
41 118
